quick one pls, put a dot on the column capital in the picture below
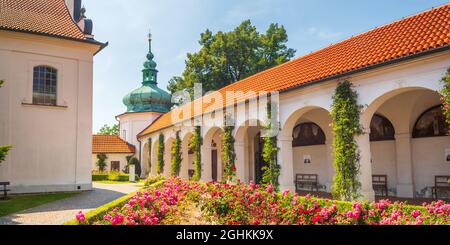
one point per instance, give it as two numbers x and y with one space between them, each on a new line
402 135
285 138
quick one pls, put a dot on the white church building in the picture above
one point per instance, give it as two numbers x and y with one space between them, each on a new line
46 61
395 69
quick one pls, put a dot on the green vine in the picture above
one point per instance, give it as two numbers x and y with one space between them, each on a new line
271 171
228 152
345 122
445 97
176 156
160 160
195 145
4 149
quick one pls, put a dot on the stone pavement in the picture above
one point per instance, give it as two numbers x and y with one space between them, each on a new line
58 212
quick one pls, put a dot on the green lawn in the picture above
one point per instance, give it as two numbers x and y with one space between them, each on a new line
115 182
17 203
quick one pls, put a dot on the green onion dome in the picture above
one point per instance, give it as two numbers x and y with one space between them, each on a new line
148 98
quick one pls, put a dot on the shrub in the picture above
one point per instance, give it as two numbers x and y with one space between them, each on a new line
445 97
101 161
224 203
137 165
153 179
195 145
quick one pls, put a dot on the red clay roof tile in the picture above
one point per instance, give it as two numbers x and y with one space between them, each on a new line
412 35
50 17
110 144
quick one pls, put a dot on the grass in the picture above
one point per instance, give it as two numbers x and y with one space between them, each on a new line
115 182
17 203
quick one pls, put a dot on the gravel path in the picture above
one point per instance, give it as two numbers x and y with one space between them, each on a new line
58 212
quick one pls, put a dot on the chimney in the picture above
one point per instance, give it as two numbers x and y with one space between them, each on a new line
74 7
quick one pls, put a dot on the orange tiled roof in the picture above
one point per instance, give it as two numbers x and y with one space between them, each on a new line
416 34
50 17
111 144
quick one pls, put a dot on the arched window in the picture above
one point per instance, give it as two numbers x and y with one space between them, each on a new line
381 129
431 123
44 85
306 134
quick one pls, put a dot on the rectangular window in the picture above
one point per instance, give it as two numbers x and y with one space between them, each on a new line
124 135
115 166
44 85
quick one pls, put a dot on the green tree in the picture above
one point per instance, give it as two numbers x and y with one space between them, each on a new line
107 130
345 122
195 145
271 171
176 156
228 152
4 149
160 160
445 97
101 161
227 57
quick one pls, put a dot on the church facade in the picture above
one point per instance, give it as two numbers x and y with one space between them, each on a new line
395 69
46 62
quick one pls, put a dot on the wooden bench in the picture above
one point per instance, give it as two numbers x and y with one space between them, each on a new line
379 183
441 184
306 181
5 191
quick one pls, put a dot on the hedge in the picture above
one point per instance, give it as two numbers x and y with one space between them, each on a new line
99 212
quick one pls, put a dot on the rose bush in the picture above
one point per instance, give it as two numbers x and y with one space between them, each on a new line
222 203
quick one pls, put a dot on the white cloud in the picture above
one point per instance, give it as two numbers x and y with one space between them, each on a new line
323 34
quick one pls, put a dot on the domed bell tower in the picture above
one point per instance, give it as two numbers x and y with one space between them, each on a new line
144 105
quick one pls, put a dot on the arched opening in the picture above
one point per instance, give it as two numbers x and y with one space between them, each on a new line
145 162
187 166
408 142
154 157
168 156
249 151
310 131
213 160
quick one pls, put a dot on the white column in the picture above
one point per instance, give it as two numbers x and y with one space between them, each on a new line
239 148
206 163
185 162
405 185
365 175
285 160
329 165
132 176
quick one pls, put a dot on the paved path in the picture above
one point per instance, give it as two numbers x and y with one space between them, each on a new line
58 212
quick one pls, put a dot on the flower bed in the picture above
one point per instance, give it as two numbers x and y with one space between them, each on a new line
252 204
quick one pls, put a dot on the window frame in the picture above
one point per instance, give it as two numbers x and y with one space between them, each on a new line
413 133
385 138
315 144
35 82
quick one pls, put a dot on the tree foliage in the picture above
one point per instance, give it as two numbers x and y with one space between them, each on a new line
107 130
228 152
271 171
345 122
445 97
160 157
101 161
195 145
176 156
227 57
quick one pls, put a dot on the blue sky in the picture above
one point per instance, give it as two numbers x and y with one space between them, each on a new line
176 26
